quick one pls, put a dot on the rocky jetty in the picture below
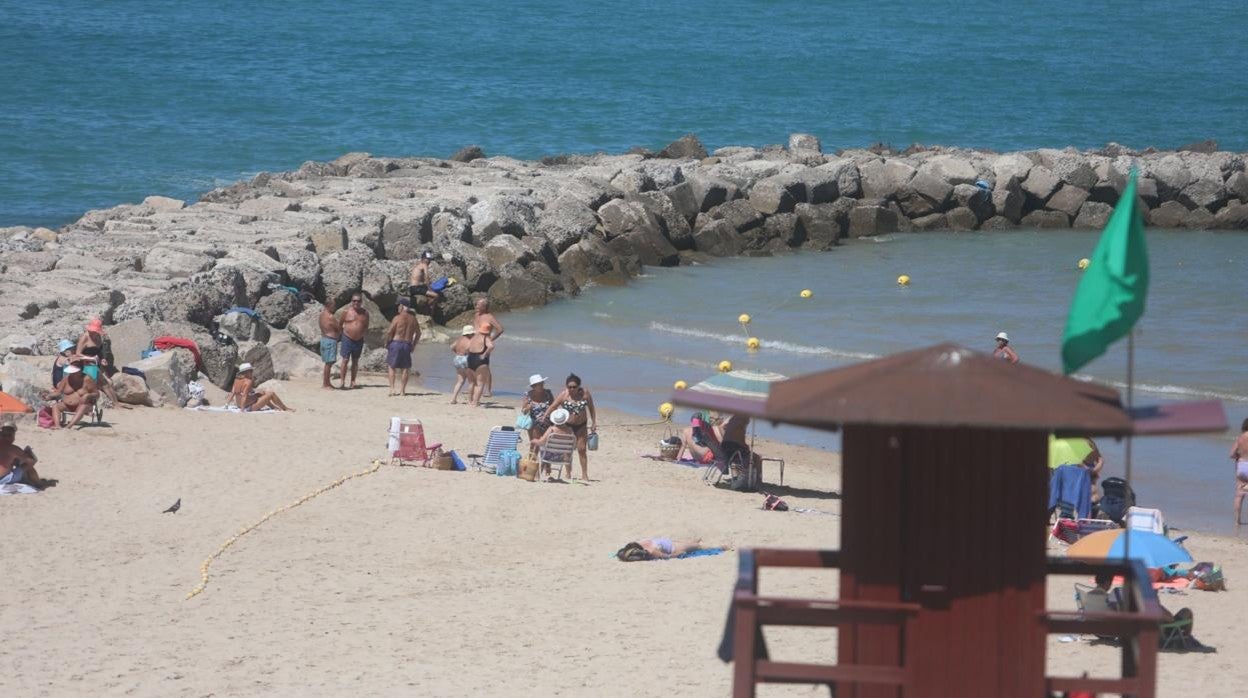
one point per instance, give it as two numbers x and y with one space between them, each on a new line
524 232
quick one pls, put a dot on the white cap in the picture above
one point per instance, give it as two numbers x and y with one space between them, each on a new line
244 367
72 369
537 378
1004 336
559 416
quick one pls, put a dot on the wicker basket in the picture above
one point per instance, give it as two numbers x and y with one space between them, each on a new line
668 451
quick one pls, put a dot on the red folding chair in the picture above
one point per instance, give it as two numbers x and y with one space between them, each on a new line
412 448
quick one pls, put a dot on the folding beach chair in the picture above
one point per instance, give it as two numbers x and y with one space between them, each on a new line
1176 634
1091 599
411 447
557 451
502 438
1143 519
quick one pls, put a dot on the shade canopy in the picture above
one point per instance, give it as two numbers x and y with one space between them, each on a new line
1070 451
1153 549
946 386
748 385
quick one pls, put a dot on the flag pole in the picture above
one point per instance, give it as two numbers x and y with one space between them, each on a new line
1127 452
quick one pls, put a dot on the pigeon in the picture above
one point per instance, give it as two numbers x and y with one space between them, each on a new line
173 509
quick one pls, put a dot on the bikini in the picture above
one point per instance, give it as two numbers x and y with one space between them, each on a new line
537 410
575 407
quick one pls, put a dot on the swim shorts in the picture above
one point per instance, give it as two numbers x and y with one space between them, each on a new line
350 347
399 354
329 350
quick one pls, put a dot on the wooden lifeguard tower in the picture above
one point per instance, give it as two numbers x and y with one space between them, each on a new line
943 561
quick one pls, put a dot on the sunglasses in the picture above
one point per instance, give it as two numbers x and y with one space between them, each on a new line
356 300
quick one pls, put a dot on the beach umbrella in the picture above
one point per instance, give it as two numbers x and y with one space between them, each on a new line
1153 549
8 403
749 385
1068 451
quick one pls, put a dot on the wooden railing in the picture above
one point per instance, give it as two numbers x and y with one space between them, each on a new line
1136 627
751 612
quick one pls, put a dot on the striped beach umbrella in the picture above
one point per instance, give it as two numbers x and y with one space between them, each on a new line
1153 549
751 385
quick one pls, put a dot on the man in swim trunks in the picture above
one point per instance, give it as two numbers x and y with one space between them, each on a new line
419 282
330 332
354 327
1239 454
1003 350
17 465
77 392
400 341
734 441
484 318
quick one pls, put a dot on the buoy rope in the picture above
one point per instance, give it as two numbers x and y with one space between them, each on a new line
203 569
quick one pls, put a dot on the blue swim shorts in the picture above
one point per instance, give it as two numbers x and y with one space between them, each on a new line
350 347
329 350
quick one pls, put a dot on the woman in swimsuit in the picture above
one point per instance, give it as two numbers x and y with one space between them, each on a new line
536 404
463 375
91 345
1239 454
584 420
661 549
248 398
479 349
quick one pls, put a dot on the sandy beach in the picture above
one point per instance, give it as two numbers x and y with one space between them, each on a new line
410 581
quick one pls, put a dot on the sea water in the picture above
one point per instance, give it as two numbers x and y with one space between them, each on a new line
630 344
108 102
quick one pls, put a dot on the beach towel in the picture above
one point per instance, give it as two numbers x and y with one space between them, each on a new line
244 311
169 342
231 408
1071 484
688 462
17 488
705 552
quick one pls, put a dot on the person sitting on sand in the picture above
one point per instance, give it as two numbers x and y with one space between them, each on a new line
17 465
662 549
558 425
76 392
464 376
247 398
400 341
1239 454
1104 595
351 345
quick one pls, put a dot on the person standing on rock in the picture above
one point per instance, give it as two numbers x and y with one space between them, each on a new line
354 327
419 282
1003 350
485 321
330 332
400 341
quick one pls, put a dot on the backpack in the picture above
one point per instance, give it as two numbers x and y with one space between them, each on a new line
773 503
1116 497
440 285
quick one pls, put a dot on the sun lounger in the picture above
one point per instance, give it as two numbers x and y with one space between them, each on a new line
502 438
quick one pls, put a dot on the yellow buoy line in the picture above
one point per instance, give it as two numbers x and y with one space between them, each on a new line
203 569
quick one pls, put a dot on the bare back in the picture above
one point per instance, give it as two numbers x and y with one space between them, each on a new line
329 324
405 328
460 346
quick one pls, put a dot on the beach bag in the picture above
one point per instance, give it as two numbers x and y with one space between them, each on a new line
459 462
45 417
508 463
440 285
773 503
460 361
591 442
528 469
524 421
443 461
1116 498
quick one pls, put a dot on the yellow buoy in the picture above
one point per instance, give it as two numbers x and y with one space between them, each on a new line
680 385
1083 263
725 366
752 343
744 319
903 280
806 293
665 410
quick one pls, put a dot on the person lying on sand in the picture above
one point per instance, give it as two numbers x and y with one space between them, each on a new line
248 399
17 465
662 549
76 392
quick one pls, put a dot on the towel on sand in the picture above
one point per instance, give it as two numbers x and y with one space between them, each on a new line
17 488
704 552
206 408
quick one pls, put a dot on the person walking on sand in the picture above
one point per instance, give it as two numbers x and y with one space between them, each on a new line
463 375
1003 350
330 332
354 327
418 282
1239 454
17 465
480 346
484 318
400 341
583 419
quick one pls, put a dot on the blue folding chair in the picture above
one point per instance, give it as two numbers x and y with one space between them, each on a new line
502 438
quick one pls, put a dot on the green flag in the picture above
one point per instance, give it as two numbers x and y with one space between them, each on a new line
1110 297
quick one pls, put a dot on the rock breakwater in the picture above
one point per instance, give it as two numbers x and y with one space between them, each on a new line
524 232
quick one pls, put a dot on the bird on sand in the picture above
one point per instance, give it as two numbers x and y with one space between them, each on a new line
173 509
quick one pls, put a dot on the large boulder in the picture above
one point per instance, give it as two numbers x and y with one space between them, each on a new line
129 339
821 226
952 169
196 300
257 354
218 358
1233 216
303 267
342 274
805 141
242 327
290 360
378 282
773 195
848 178
739 214
924 194
405 235
871 219
977 200
1070 167
717 237
168 374
176 262
21 344
1014 166
1209 194
1045 219
446 226
1040 185
504 214
305 328
1008 201
672 223
1093 215
1172 176
621 216
884 179
26 378
478 276
683 200
1237 186
566 221
514 292
933 221
278 308
585 261
649 246
709 192
504 250
1069 199
131 390
685 147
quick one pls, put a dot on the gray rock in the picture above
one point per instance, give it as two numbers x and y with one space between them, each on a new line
997 223
649 246
1172 176
961 218
848 178
329 238
1069 199
779 231
305 327
164 203
740 214
290 360
953 169
477 274
516 292
26 379
378 283
772 195
175 262
131 390
821 226
804 141
1008 203
717 237
468 154
585 261
1237 186
883 179
621 216
1040 185
709 192
258 355
685 147
1072 168
672 224
683 200
279 307
1093 215
934 221
502 215
303 267
167 376
129 339
506 249
1045 219
633 181
373 361
978 200
342 274
242 327
871 219
1233 216
1204 193
364 228
446 226
197 300
1015 166
404 237
20 344
925 193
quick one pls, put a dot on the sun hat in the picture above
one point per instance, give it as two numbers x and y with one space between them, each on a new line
64 345
72 369
468 329
537 378
244 367
1003 336
95 325
559 416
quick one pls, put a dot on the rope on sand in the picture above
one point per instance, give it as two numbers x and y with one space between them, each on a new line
203 569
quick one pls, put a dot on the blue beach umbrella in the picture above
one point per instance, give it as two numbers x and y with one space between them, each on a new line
1153 549
749 385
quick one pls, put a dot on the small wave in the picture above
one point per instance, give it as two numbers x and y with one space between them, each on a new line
604 316
787 347
581 348
1180 390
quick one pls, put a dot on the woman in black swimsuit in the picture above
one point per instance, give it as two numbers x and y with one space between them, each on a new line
479 348
583 420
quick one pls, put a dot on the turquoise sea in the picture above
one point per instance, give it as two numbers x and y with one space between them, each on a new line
108 102
104 103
